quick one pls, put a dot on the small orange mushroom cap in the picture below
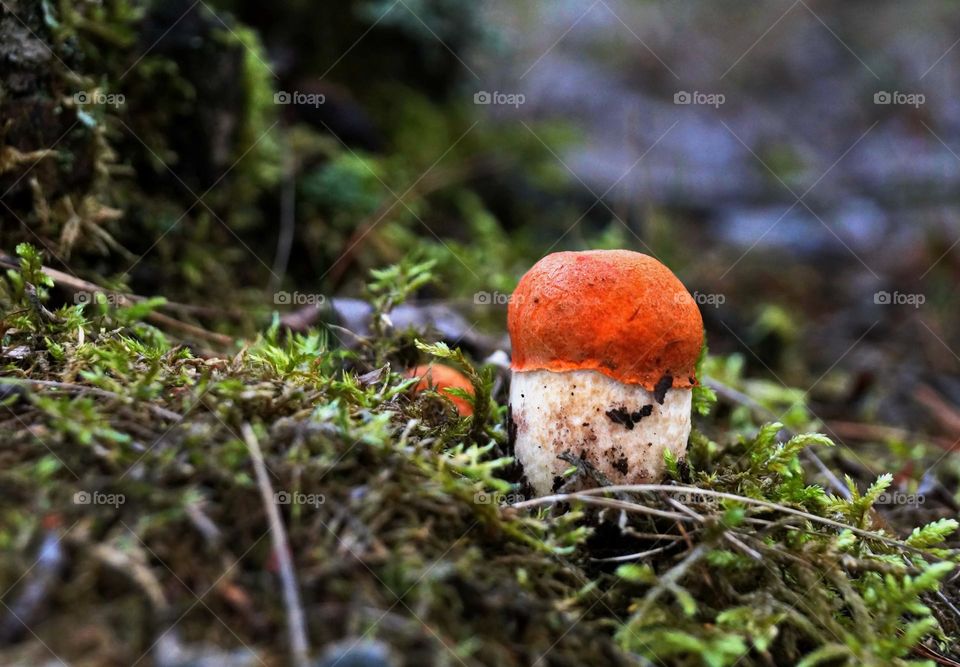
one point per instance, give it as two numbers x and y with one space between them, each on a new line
441 378
617 312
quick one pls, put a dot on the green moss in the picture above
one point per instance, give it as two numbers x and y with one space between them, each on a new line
399 498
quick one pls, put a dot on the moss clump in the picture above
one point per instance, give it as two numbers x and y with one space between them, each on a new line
127 451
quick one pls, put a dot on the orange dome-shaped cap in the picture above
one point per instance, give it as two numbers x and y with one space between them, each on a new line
440 378
618 312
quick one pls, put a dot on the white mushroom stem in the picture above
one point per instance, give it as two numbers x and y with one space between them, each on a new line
620 429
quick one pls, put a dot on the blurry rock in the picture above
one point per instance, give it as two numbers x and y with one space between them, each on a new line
357 653
354 315
169 651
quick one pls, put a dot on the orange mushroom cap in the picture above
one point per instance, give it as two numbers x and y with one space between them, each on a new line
441 378
617 312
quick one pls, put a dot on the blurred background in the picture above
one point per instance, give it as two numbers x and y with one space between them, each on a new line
795 163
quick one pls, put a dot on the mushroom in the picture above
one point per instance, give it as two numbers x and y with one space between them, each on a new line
605 345
440 378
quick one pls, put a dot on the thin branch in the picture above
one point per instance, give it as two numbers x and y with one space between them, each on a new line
74 285
670 580
636 556
296 625
610 503
666 488
95 391
288 219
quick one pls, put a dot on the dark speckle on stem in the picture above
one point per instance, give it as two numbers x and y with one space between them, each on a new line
621 416
628 419
660 390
